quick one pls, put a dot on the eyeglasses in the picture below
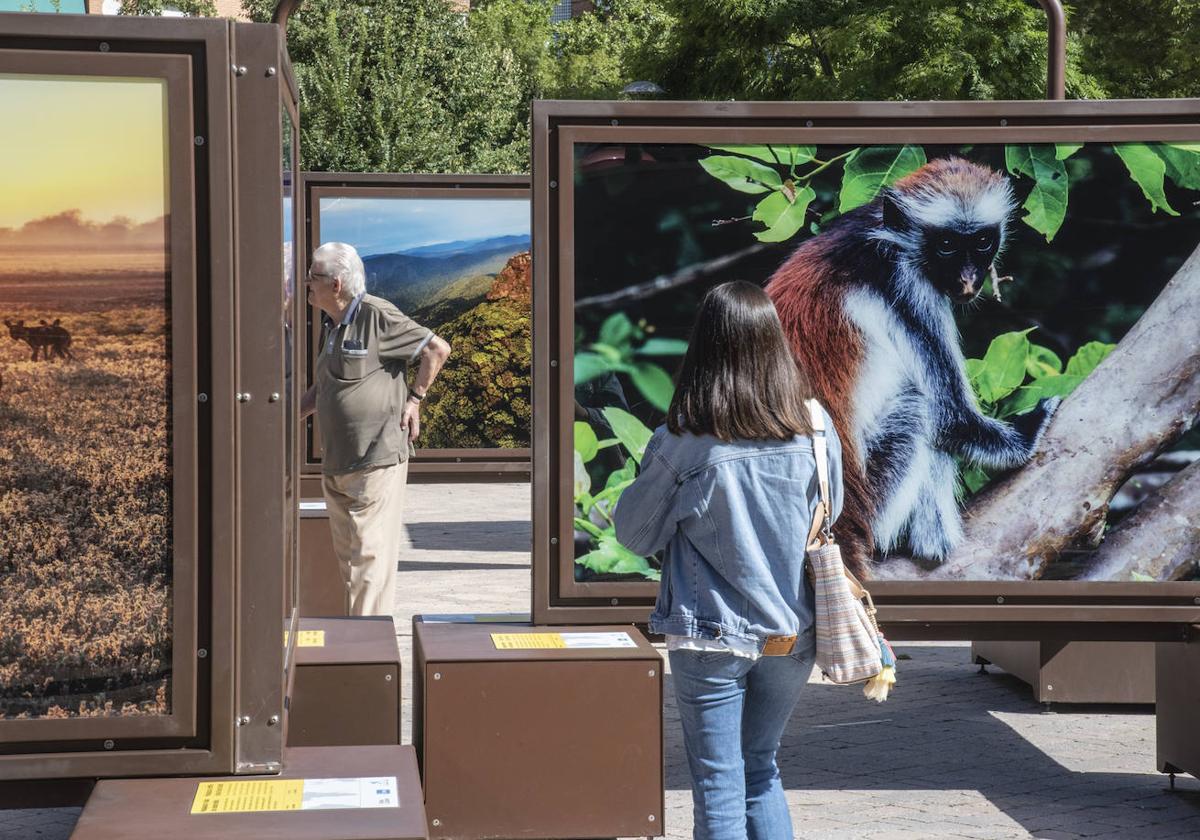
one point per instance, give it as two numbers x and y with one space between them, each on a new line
312 276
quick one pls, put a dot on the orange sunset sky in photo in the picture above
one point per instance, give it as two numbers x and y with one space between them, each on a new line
94 145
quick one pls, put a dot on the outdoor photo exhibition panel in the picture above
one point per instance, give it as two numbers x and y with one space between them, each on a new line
453 253
142 548
998 303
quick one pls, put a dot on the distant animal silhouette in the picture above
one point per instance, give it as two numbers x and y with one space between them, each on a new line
61 348
35 337
46 340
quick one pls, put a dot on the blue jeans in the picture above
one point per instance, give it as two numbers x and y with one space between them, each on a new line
733 712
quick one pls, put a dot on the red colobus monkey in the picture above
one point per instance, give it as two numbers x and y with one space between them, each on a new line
866 305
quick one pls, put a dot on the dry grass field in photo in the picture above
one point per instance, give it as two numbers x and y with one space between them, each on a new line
85 486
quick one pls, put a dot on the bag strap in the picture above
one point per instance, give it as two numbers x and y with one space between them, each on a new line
821 516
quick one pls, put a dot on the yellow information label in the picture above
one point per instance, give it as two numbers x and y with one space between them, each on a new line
527 641
307 638
250 795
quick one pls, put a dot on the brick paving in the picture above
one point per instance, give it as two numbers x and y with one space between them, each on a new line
954 754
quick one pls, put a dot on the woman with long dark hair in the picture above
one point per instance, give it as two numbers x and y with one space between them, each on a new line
728 489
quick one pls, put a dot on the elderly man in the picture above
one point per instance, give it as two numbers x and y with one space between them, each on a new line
369 418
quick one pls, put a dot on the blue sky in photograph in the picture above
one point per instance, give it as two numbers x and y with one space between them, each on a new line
393 225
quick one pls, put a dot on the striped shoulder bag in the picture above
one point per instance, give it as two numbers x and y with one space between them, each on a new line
850 648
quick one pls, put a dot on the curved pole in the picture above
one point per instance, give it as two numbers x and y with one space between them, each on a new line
285 8
1056 53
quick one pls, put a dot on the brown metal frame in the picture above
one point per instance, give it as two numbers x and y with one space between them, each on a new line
967 610
429 465
227 643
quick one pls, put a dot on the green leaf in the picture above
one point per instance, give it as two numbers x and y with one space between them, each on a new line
784 218
589 527
1087 358
871 168
742 174
974 369
586 443
617 330
632 433
1182 164
974 478
1027 397
622 476
611 354
663 347
1046 207
1148 170
590 365
610 557
655 384
1062 151
782 155
1042 361
581 480
1003 368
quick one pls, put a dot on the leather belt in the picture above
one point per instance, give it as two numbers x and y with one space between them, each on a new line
779 645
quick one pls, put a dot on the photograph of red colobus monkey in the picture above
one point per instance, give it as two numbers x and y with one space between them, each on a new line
1006 335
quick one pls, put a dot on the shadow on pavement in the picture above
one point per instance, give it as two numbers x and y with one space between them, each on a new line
950 729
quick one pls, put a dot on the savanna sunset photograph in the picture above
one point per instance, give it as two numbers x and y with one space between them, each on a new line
85 418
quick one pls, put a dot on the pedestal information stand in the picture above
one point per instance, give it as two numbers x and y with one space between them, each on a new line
1178 687
292 805
538 732
1076 672
347 684
322 589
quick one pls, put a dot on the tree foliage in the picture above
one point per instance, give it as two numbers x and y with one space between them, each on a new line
403 86
153 8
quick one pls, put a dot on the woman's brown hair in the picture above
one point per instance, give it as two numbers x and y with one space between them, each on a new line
739 379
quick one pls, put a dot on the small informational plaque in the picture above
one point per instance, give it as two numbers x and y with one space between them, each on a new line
527 641
579 641
307 638
245 796
598 640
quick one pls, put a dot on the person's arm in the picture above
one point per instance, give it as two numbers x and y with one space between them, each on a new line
308 402
647 513
433 356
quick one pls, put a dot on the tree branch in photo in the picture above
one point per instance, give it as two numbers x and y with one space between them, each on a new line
1140 400
1160 540
666 282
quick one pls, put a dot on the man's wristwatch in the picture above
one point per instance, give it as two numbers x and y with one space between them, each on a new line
413 395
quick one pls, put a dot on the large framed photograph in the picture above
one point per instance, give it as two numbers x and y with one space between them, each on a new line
998 303
97 471
146 395
453 253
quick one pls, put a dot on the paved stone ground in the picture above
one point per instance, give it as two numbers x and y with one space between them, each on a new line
954 754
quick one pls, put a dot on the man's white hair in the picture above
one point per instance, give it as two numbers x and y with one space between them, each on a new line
344 263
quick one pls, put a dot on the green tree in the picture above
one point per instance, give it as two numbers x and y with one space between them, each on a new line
1140 48
191 8
402 86
859 50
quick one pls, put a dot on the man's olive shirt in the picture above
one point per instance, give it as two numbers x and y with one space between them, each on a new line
361 385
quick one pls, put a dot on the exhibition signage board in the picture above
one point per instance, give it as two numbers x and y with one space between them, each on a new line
997 302
146 408
453 253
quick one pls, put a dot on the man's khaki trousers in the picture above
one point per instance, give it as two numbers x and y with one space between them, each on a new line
366 515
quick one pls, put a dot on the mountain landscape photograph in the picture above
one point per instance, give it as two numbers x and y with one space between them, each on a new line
460 267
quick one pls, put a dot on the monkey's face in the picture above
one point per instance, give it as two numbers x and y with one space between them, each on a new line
958 260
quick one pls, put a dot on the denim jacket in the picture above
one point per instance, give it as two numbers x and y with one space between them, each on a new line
733 519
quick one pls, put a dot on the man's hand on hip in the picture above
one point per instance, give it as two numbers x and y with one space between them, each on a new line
411 419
